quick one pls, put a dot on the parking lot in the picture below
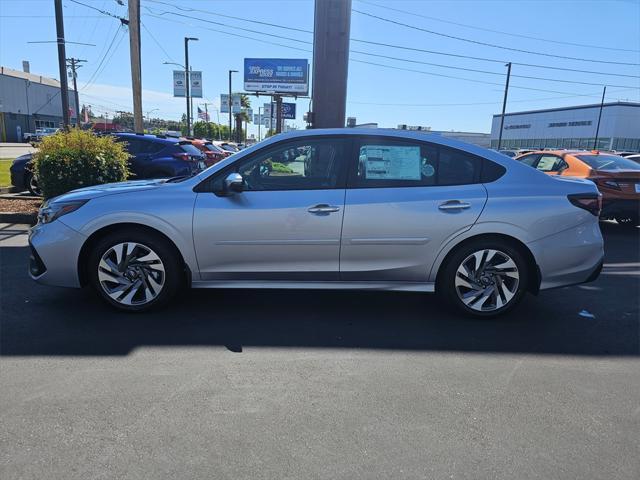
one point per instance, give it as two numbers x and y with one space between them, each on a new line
313 384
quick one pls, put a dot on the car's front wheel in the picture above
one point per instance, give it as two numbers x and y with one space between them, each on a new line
31 182
484 278
134 271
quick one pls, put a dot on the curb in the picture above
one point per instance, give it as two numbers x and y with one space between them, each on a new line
13 217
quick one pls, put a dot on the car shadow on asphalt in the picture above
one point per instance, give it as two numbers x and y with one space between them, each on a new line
600 318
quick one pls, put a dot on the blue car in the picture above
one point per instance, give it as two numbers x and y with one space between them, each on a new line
157 156
152 156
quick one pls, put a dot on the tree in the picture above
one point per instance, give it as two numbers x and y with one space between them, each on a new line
245 102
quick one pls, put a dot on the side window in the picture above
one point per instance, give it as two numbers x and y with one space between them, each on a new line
529 159
394 163
300 165
151 147
549 163
457 168
133 145
384 162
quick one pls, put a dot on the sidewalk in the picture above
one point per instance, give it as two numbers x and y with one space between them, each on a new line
14 235
13 150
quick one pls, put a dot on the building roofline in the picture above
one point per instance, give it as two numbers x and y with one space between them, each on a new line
578 107
10 72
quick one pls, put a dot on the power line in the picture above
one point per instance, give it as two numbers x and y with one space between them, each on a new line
95 73
486 44
560 42
369 42
123 20
156 41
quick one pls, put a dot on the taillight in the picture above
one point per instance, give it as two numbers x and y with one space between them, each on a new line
609 184
182 156
591 202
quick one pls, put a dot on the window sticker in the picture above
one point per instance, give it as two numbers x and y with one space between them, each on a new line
383 162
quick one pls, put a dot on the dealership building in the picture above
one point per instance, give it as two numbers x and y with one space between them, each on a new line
28 102
571 127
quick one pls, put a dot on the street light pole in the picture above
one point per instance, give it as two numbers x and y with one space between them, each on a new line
504 105
259 123
229 101
187 80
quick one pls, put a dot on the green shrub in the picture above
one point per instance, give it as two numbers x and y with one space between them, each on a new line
78 158
280 168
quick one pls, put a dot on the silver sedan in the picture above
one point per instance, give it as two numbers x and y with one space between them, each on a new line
329 209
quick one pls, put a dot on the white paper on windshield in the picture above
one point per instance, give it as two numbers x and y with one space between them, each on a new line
391 163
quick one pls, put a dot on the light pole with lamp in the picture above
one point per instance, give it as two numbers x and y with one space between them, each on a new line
189 100
149 112
187 79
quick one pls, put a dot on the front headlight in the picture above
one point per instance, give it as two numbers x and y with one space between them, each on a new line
50 211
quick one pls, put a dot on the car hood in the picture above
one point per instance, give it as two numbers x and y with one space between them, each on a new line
96 191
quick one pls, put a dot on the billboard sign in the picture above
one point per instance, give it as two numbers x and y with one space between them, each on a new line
179 84
196 84
236 103
289 111
277 75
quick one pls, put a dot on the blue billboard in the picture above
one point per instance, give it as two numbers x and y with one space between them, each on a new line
276 75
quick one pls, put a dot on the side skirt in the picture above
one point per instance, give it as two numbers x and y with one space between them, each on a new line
386 286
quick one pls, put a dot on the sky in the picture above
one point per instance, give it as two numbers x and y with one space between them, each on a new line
413 87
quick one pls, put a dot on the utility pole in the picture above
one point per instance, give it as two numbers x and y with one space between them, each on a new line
595 143
136 66
74 65
504 105
230 102
332 27
62 64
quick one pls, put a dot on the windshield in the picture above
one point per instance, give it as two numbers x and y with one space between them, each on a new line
212 148
608 162
190 149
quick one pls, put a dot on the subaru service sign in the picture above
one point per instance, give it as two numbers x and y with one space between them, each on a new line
179 89
277 75
289 111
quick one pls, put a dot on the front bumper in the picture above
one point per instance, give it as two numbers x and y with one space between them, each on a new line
55 251
17 178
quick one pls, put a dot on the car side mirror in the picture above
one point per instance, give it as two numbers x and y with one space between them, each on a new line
234 183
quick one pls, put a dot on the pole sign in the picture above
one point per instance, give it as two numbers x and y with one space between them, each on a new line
196 84
276 75
179 84
289 111
266 108
236 103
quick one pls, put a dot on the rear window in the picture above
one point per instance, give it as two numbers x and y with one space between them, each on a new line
189 148
212 148
608 162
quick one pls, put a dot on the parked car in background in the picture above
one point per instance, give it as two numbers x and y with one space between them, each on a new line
158 156
213 153
363 209
626 154
40 134
227 146
509 153
635 157
617 178
22 177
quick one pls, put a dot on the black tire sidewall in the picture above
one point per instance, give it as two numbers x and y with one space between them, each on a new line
446 282
159 245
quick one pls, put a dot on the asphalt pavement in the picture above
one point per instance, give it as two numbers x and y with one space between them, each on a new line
313 384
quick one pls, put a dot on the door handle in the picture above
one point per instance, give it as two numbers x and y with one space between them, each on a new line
323 208
454 205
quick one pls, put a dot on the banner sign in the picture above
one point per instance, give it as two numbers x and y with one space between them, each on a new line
236 103
289 111
277 75
266 108
196 84
179 84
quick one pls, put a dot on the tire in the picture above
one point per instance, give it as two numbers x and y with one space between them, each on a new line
31 182
134 270
493 289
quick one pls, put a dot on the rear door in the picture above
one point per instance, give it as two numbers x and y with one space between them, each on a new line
404 200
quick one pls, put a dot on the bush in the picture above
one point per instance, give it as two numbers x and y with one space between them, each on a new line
280 168
78 158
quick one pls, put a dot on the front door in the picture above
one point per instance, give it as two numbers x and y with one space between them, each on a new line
286 223
404 200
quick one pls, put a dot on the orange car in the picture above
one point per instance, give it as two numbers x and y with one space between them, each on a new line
213 154
617 178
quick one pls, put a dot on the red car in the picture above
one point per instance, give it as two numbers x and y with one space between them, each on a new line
212 152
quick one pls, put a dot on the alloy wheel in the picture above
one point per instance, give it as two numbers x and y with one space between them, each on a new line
131 273
487 280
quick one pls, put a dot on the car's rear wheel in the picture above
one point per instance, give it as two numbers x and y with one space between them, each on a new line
31 182
134 271
484 278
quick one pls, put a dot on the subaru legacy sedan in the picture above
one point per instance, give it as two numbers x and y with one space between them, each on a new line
329 209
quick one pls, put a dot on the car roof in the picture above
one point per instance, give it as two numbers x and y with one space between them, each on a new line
148 137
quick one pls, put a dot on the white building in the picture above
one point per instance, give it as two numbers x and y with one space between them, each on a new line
571 127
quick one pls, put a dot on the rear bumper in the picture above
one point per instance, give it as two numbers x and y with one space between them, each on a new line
570 257
613 207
